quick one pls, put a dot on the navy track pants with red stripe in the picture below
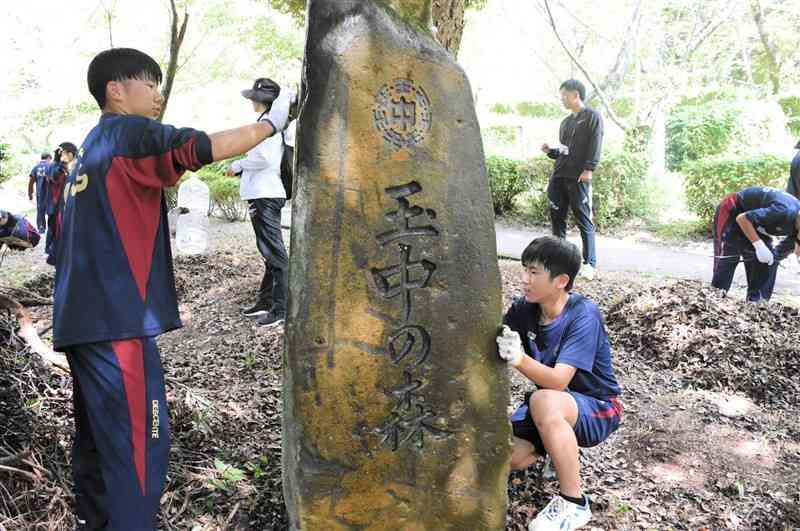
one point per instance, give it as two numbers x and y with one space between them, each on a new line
731 246
121 449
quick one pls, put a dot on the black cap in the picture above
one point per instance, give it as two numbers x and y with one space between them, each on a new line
264 91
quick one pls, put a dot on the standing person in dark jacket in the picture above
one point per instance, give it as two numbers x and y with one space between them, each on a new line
793 187
743 225
38 180
577 156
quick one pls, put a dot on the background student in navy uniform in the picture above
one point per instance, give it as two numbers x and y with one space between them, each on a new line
262 188
558 341
743 225
581 139
63 163
115 288
38 181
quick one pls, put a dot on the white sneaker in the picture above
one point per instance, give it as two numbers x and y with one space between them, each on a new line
586 271
561 515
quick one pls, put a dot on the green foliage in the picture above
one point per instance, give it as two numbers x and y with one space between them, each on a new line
226 477
501 108
506 182
5 154
539 109
502 134
708 181
58 116
637 139
790 105
624 107
696 132
793 125
530 109
791 108
224 191
620 189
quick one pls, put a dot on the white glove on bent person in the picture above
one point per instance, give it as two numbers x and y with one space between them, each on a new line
763 253
509 347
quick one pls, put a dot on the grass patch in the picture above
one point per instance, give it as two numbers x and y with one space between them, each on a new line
682 230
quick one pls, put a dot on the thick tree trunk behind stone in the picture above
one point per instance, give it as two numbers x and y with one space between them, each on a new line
448 17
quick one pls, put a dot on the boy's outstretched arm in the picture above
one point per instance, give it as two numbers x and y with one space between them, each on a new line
510 349
233 142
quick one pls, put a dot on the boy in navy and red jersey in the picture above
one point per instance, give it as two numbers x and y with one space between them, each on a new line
743 225
115 289
558 341
65 158
38 181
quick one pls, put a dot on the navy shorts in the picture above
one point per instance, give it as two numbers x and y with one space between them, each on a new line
597 419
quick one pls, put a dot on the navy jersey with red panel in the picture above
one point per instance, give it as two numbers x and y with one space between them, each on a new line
114 276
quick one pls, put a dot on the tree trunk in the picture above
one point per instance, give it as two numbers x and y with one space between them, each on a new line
175 42
769 49
448 17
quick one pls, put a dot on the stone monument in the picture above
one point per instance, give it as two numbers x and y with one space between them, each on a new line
395 402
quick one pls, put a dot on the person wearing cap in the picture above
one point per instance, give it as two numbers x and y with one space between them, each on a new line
262 188
38 180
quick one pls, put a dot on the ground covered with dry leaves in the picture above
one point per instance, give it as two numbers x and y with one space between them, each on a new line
710 436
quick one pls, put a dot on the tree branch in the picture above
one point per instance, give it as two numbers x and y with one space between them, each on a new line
598 90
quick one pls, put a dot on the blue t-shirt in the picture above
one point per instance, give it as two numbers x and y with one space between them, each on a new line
772 212
577 338
114 277
39 172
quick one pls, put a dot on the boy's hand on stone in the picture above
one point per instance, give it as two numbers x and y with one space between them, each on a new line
509 347
763 253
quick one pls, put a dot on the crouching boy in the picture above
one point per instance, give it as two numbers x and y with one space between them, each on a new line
558 341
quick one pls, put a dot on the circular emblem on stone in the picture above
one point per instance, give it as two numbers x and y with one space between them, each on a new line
402 113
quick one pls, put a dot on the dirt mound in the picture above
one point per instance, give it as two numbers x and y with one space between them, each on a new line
714 342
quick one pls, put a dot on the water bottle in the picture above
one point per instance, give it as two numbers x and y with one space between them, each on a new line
192 232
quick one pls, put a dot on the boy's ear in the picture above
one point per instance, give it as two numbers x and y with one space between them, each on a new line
114 90
561 281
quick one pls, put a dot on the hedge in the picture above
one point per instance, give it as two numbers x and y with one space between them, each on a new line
708 181
620 189
697 132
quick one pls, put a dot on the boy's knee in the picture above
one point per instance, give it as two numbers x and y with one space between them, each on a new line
545 407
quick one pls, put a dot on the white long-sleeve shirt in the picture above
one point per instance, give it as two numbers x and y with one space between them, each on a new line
261 171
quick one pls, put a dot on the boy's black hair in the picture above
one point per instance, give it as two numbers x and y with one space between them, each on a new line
69 147
558 256
120 64
46 156
575 86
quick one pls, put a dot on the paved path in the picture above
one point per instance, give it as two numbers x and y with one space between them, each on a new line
614 254
623 254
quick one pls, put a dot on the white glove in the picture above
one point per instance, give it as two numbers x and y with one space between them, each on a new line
509 347
763 253
279 112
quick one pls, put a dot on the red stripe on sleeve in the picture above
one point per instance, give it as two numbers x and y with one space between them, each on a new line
130 357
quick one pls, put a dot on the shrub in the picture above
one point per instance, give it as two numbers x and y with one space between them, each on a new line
793 125
620 190
708 181
540 109
501 108
506 182
696 132
790 105
4 156
503 134
223 191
